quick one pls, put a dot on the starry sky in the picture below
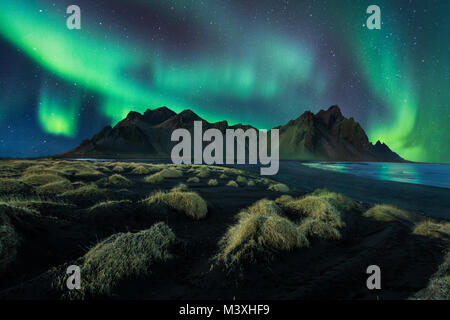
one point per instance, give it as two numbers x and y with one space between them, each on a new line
256 61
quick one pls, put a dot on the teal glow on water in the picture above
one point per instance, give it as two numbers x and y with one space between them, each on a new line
437 175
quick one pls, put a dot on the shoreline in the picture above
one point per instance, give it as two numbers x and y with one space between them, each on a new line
426 200
432 201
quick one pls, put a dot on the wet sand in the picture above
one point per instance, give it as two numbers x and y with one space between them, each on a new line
426 200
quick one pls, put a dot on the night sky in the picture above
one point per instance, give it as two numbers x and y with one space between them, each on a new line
254 61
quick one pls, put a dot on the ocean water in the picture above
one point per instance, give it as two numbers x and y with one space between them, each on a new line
437 175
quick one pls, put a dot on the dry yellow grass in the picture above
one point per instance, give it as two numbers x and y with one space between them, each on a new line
180 187
78 184
279 187
189 203
241 180
123 256
88 173
119 181
87 192
232 171
171 173
315 207
389 213
65 172
313 228
263 206
284 199
37 179
9 243
430 228
37 168
141 170
265 181
78 169
232 183
213 182
167 173
203 172
111 207
118 169
121 167
9 238
55 188
259 232
439 285
13 186
33 205
193 180
338 200
155 178
23 164
103 168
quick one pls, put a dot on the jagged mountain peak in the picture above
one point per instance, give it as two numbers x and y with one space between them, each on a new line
326 135
133 115
330 116
189 115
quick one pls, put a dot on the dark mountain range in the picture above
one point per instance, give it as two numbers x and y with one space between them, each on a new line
327 136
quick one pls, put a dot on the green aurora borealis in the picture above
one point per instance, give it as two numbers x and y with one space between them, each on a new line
257 62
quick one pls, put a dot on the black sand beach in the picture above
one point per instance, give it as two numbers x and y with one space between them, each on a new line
222 233
426 200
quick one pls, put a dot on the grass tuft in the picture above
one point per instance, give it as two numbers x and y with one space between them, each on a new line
122 256
88 173
34 205
203 172
155 178
439 285
110 207
159 177
119 181
55 188
233 184
259 233
87 192
279 187
241 180
9 241
389 213
284 200
189 203
313 228
171 173
432 229
180 187
338 200
118 169
315 207
13 186
193 180
37 179
213 182
140 170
